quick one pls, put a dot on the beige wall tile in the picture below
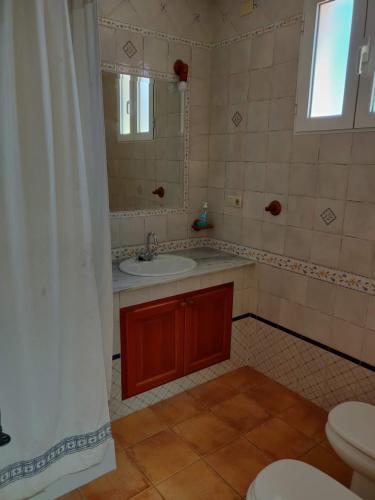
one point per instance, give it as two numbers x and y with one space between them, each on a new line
262 50
279 146
298 243
335 148
325 249
332 181
329 215
359 220
132 231
277 178
368 348
239 56
303 179
273 236
351 305
295 287
370 319
362 182
257 116
255 176
292 315
357 256
301 211
155 54
260 84
321 295
269 306
305 148
347 337
252 234
363 147
317 326
287 43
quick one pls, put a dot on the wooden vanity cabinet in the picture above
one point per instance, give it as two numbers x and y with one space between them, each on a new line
172 337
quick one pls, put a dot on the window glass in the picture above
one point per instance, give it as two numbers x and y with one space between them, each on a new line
143 98
331 50
124 87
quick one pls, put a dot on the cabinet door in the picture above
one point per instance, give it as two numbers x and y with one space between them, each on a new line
151 345
208 327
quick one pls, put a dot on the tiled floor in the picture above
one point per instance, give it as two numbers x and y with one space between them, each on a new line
210 442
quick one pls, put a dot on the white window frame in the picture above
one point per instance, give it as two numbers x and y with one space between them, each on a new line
366 94
349 117
133 110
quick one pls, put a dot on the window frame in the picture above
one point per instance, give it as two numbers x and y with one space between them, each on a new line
304 123
134 135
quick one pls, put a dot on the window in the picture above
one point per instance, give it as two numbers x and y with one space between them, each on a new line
136 103
336 86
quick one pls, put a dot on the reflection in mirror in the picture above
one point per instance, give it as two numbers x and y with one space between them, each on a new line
145 144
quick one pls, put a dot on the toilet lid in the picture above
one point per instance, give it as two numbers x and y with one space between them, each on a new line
355 423
294 480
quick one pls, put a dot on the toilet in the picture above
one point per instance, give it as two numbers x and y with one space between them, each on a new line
351 432
294 480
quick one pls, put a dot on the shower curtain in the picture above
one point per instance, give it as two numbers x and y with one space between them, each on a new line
55 269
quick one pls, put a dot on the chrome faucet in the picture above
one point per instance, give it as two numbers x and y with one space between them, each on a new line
151 251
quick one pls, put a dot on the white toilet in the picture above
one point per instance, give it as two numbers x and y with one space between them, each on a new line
351 431
294 480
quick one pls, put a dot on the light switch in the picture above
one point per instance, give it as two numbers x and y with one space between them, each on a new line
247 7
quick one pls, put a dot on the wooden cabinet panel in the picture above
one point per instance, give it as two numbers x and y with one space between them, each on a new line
166 339
152 345
208 326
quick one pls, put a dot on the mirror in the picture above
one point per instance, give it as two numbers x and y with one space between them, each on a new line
144 127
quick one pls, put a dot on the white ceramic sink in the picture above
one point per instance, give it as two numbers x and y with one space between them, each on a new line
162 265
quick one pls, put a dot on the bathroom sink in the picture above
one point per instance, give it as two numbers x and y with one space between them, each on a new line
162 265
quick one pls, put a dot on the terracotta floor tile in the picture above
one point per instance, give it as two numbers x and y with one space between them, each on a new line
150 494
197 482
211 393
274 397
137 427
206 432
73 495
121 484
241 412
307 418
177 409
238 463
279 440
162 455
243 378
329 463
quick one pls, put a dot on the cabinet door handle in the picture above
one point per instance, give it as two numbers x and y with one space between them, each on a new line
190 302
183 304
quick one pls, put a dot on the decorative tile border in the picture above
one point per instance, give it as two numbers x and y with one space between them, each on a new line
123 68
164 247
111 23
322 273
72 444
341 278
259 31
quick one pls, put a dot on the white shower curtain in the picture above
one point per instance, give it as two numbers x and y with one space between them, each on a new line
55 274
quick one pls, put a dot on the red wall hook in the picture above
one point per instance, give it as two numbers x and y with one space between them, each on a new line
274 207
181 69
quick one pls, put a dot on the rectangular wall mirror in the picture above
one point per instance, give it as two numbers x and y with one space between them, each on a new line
145 126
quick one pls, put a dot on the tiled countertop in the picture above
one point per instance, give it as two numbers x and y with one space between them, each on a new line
207 259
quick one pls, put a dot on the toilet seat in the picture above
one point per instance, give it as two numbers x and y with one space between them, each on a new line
294 480
354 422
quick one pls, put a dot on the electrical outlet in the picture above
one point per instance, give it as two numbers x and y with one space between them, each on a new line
247 7
234 201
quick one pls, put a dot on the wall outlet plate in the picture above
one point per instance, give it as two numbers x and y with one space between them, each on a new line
234 201
247 7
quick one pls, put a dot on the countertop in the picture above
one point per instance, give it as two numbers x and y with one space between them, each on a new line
207 259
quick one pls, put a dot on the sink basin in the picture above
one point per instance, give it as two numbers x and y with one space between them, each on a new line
162 265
